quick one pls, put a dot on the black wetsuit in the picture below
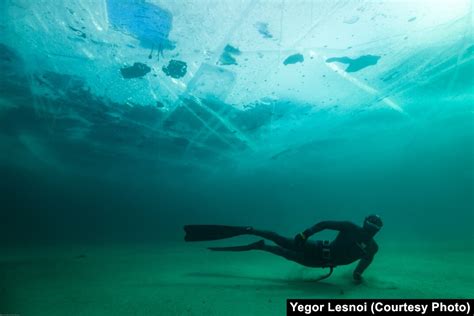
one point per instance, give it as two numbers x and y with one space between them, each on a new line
352 243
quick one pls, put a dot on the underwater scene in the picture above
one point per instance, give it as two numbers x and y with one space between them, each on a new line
218 157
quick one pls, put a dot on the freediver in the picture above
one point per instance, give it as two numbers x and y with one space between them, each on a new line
352 243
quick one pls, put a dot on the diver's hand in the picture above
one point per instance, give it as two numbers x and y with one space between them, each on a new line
357 277
300 239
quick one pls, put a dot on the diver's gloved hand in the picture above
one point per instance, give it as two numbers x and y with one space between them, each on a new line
357 276
300 239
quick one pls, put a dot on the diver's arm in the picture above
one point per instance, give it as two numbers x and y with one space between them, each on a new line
361 266
332 225
364 263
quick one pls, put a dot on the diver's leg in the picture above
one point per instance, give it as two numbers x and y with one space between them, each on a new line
281 241
300 257
306 257
260 245
291 255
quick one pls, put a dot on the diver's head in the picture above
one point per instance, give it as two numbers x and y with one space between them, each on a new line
372 224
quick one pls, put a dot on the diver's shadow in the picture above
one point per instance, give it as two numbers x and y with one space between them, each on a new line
312 286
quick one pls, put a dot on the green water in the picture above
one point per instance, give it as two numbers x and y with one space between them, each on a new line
236 136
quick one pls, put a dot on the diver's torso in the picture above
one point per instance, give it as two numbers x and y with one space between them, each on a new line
351 246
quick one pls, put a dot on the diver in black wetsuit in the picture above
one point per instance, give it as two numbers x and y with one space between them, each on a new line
352 243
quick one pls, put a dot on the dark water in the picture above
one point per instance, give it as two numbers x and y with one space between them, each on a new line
88 155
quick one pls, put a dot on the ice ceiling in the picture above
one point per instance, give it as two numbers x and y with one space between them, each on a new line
185 81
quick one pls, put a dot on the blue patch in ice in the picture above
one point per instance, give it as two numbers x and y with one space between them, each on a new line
357 63
145 21
175 69
138 70
293 59
262 28
228 55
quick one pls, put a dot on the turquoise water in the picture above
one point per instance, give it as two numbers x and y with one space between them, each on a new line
121 121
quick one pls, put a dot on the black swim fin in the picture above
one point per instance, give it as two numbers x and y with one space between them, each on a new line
256 245
213 232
